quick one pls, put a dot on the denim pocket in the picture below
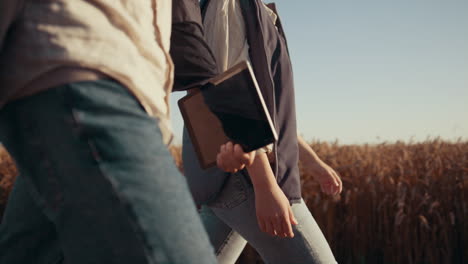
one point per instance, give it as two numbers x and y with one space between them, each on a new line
235 191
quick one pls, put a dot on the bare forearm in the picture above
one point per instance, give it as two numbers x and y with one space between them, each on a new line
273 210
261 173
329 180
305 151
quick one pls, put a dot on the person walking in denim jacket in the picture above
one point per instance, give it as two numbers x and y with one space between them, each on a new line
254 197
84 89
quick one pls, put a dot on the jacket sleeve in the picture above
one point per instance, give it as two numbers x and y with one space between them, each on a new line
193 59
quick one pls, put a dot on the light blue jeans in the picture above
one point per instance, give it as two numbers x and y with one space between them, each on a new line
96 184
231 221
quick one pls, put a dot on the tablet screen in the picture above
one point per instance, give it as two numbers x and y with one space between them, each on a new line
238 105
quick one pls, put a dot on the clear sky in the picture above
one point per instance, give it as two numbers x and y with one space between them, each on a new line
368 71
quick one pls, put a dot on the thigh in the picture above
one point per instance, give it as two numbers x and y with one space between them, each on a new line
26 235
112 189
198 177
307 246
130 152
228 243
309 231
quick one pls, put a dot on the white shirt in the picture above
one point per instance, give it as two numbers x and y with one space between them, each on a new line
225 34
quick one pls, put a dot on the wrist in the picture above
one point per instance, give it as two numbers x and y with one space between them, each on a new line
264 185
262 179
311 162
261 174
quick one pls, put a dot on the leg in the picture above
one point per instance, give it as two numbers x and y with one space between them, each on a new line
26 235
228 243
103 177
308 245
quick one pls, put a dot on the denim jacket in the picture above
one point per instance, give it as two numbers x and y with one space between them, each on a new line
269 55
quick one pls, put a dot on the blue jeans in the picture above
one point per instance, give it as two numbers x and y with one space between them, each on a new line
231 221
96 183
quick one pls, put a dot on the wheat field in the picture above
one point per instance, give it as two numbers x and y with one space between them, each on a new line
401 202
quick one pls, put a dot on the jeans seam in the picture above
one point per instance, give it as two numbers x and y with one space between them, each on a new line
94 154
34 190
